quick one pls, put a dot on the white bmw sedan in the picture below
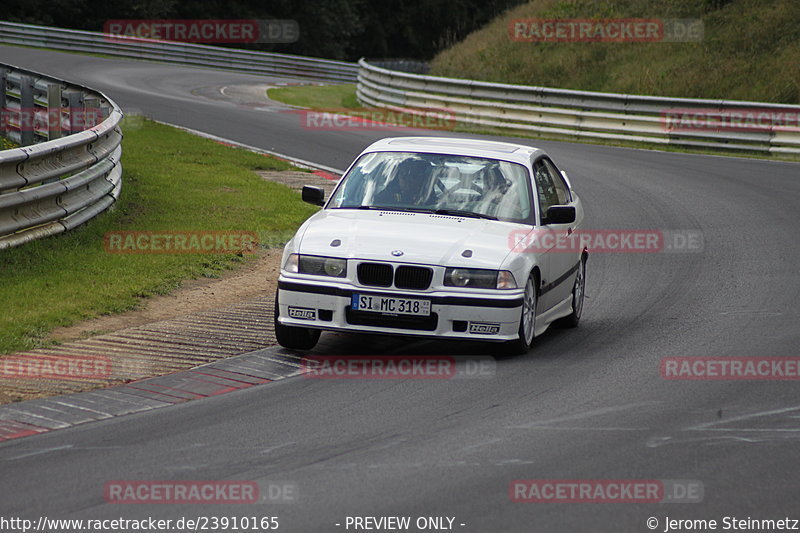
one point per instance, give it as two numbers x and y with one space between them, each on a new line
436 237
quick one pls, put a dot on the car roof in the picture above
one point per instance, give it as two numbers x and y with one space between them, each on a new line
516 153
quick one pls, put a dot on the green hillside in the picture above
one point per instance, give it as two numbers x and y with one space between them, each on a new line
750 51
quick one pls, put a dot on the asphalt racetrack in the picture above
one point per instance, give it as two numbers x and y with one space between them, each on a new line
584 404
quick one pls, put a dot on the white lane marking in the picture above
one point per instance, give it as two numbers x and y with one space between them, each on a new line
749 435
297 161
271 449
761 312
513 462
707 426
39 452
59 423
82 408
712 440
480 444
579 428
587 414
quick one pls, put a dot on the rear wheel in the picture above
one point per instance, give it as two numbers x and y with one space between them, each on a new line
578 294
527 321
293 337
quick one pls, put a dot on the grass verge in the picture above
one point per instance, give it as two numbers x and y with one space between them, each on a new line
317 96
7 144
172 181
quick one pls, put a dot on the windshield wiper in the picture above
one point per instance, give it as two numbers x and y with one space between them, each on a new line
365 207
460 213
451 212
390 208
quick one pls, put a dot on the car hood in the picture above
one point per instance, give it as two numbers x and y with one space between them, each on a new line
423 238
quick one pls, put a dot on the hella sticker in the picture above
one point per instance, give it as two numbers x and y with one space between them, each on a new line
484 328
302 313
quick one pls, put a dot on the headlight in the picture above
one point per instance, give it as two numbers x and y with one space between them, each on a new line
316 265
479 278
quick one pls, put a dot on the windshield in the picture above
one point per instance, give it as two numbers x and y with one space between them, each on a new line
436 183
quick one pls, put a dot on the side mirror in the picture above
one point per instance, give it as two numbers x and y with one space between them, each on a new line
313 195
560 214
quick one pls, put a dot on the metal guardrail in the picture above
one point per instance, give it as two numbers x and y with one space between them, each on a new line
187 54
72 172
578 114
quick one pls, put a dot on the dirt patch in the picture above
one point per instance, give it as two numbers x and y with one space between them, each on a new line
295 180
257 278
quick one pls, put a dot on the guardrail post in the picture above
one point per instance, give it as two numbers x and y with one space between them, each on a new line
53 111
27 116
105 110
3 104
75 103
91 112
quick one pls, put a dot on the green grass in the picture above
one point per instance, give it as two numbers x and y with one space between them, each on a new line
317 96
750 51
7 144
172 181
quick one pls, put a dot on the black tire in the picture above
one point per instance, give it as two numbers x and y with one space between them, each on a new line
293 337
527 328
578 295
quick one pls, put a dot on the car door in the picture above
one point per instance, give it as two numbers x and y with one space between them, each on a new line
556 284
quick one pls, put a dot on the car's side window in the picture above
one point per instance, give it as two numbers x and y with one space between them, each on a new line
564 194
545 187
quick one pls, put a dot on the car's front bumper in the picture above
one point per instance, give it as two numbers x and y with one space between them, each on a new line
454 315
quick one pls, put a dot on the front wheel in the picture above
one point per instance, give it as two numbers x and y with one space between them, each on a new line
293 337
578 294
527 321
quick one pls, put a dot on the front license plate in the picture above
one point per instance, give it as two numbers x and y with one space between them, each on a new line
390 305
